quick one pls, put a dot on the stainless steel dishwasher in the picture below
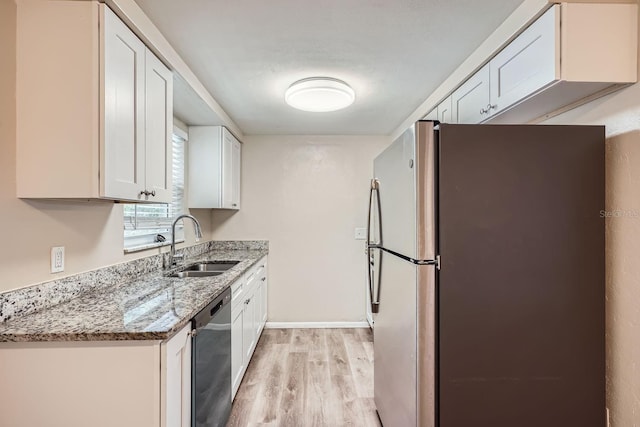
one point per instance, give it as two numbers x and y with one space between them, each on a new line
211 364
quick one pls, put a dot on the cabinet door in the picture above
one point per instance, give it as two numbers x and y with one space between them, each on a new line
264 289
257 313
205 167
176 399
237 353
230 170
248 326
159 127
528 64
122 150
227 169
444 111
470 102
236 160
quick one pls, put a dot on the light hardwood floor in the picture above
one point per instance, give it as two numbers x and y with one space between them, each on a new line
308 378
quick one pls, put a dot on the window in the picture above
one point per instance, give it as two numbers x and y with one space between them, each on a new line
146 225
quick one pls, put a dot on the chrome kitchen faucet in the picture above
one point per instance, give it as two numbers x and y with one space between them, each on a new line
173 257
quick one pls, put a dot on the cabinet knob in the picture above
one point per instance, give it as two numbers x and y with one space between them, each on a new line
234 205
264 278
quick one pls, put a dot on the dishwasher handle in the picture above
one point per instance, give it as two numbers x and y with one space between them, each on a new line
216 308
206 314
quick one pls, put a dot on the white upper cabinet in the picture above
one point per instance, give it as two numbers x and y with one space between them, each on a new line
231 150
573 51
214 168
94 107
444 111
159 128
471 101
529 63
570 53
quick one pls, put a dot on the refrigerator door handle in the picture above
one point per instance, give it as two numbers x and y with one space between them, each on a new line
435 261
375 303
374 191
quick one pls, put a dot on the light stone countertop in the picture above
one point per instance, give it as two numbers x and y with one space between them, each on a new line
151 307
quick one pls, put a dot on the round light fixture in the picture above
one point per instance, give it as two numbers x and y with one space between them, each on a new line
319 94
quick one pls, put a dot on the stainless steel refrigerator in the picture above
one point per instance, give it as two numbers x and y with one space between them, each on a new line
486 270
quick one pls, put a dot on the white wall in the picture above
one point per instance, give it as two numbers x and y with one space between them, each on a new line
306 195
90 231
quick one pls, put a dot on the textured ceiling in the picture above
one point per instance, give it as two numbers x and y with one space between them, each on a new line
393 54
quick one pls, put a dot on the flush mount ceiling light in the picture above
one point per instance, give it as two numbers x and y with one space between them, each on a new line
319 94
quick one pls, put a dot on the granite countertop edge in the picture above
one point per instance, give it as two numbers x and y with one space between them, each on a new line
191 295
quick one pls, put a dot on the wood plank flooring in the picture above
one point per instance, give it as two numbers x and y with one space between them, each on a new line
308 378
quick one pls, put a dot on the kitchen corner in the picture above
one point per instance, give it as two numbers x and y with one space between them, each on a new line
130 301
154 348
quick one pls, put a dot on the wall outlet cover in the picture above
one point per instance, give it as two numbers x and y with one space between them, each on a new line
57 259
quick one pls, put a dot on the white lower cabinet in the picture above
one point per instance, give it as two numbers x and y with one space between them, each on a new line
237 353
248 317
97 383
176 381
263 296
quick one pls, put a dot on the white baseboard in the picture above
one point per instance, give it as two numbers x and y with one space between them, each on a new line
315 325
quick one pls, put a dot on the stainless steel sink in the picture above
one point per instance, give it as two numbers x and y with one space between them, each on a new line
205 269
192 273
211 266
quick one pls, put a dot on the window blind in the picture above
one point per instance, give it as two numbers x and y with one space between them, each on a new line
144 222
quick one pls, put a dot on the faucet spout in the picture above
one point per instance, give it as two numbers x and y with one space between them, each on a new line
173 257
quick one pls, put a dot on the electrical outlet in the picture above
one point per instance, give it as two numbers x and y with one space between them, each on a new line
361 233
57 259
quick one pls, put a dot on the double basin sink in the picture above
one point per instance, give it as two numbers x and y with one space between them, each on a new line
204 269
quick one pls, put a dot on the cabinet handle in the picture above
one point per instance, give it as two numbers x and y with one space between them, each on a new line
247 301
153 193
493 107
264 278
483 111
148 193
234 205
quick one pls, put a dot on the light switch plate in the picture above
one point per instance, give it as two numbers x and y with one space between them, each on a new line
361 233
57 259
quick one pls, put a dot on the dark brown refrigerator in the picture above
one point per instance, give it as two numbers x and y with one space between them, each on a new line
486 266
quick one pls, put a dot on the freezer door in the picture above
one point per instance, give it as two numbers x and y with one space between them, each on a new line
404 345
405 174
